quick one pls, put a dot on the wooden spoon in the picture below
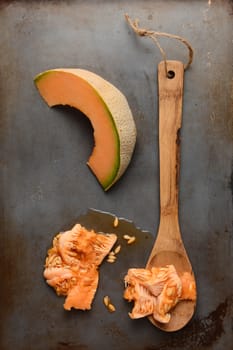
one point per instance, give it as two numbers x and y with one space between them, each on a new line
168 247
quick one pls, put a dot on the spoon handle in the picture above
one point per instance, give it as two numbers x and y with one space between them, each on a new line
170 117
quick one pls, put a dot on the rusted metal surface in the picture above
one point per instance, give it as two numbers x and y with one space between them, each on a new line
46 186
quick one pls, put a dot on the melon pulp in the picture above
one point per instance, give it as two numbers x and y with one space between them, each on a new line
106 108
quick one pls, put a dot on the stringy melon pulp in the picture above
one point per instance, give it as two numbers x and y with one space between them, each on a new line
108 111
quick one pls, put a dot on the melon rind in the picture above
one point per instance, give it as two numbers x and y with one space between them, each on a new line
120 114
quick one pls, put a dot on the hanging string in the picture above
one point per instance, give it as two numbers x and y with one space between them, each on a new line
153 35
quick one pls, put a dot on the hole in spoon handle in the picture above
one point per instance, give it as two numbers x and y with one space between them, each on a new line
170 92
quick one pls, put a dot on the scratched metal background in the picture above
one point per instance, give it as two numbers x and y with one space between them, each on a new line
46 186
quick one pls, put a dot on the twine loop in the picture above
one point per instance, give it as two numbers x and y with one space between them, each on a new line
154 36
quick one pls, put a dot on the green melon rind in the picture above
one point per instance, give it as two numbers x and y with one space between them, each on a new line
118 109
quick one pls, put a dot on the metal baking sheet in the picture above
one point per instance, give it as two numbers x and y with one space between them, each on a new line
46 185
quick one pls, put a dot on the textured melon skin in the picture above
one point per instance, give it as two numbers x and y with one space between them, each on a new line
123 129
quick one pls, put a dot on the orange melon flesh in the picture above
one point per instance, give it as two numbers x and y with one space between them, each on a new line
71 265
108 111
156 291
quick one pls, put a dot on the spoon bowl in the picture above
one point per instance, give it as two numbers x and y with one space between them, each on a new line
184 310
169 248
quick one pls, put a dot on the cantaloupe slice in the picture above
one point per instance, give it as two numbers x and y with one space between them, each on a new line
108 111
